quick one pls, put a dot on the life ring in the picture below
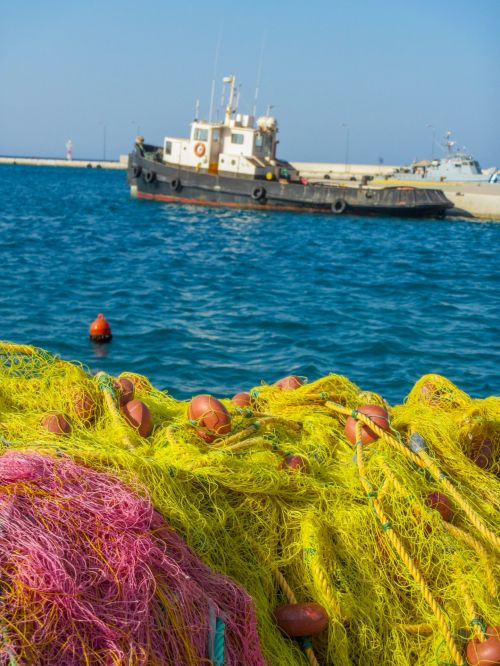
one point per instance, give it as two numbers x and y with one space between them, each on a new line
199 149
175 184
339 206
136 171
149 176
259 193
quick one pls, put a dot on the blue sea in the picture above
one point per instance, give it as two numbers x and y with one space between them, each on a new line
215 300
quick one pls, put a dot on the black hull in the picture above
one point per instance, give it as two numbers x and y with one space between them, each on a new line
153 180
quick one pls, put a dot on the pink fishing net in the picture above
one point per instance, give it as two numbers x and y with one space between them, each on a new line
90 573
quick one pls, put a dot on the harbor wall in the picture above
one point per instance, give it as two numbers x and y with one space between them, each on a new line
82 164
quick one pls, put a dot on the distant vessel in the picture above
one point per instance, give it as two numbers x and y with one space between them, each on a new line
233 163
457 166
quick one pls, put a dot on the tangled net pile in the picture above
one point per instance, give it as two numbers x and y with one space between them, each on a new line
397 539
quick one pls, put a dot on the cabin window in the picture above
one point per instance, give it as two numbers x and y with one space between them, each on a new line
168 147
216 135
237 138
259 141
201 134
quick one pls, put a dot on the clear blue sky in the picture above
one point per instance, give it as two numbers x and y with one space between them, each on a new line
69 68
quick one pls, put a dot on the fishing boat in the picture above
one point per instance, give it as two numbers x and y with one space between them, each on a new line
233 162
456 166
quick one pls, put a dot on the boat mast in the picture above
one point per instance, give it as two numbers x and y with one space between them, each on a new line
229 108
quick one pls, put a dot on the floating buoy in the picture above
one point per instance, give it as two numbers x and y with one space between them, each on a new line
100 330
482 453
289 383
294 462
125 388
441 503
84 407
487 653
139 417
242 399
299 620
56 423
211 415
378 414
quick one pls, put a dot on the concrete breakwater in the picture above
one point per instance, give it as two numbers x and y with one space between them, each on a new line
82 164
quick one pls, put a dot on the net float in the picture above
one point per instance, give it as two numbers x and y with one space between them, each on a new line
125 389
242 399
100 330
302 619
485 653
294 462
56 423
211 415
289 383
84 407
482 453
440 502
378 414
139 416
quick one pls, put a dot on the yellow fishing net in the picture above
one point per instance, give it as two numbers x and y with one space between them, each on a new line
397 539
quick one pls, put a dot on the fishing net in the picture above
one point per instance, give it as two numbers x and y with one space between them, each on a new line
397 539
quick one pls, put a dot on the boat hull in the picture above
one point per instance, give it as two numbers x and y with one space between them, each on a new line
154 180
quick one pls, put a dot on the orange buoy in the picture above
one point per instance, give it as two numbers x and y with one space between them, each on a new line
299 620
378 415
125 388
289 383
100 330
441 503
56 423
211 415
487 653
139 417
242 399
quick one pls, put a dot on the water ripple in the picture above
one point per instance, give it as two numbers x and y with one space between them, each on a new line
218 300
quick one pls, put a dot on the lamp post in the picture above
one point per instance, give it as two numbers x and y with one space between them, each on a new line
347 128
431 127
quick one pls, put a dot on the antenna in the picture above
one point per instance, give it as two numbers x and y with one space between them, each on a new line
197 109
259 73
216 60
231 80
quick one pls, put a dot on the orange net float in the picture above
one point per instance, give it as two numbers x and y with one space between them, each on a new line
100 330
485 653
289 383
302 619
84 407
125 388
56 423
378 414
242 399
441 503
210 415
139 417
294 463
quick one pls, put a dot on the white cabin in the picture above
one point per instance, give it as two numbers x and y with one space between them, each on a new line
238 145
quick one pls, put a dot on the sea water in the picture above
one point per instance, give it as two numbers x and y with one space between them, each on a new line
204 299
